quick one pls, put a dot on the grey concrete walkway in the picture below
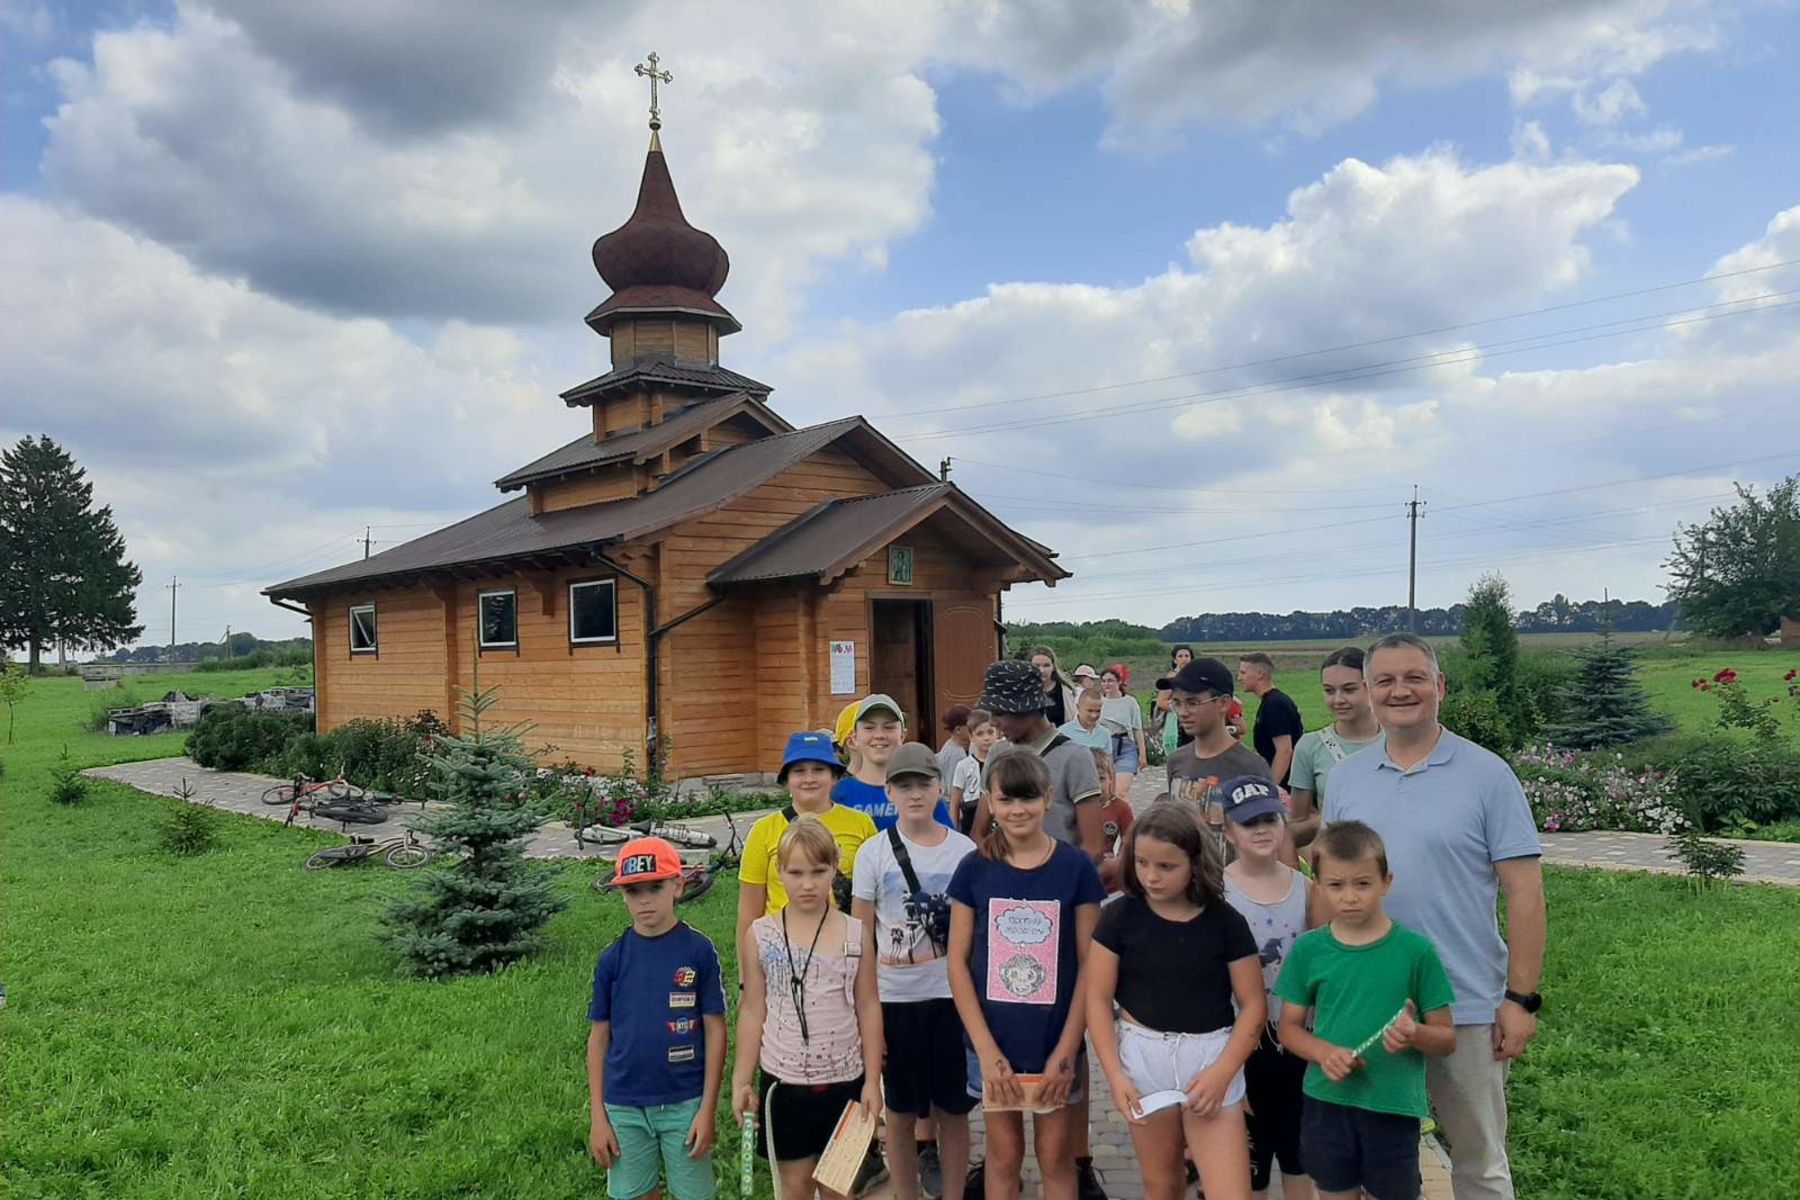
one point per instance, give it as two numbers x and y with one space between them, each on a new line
1764 862
240 792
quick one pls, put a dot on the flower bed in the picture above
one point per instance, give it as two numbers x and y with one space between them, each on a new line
1570 792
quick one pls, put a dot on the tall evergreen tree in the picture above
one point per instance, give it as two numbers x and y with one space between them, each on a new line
1605 704
485 907
63 572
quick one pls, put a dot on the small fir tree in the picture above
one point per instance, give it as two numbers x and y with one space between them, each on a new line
486 907
190 829
67 786
1605 703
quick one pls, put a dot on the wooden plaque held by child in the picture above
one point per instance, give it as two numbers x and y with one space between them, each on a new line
843 1154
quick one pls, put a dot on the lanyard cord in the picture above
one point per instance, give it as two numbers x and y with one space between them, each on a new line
797 974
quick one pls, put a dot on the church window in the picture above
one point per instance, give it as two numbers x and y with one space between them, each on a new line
499 620
593 612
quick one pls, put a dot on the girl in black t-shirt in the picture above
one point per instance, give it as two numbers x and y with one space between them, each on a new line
1173 955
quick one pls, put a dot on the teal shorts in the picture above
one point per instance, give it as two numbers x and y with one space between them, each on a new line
653 1143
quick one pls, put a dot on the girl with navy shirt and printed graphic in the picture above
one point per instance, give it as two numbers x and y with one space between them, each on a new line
1173 957
1023 910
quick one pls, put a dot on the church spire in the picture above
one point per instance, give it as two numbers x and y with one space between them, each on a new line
657 264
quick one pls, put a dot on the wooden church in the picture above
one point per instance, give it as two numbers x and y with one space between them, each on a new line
692 573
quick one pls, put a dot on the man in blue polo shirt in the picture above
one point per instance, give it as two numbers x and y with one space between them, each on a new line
1458 833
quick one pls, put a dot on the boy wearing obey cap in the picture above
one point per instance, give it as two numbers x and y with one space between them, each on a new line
656 1048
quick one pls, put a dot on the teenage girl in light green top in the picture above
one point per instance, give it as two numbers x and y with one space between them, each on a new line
1353 728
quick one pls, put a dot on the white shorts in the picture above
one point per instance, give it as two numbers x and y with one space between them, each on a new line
1156 1062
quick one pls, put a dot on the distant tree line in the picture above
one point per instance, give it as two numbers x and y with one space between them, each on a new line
287 652
1559 614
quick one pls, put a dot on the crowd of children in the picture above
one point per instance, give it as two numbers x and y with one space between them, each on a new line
920 945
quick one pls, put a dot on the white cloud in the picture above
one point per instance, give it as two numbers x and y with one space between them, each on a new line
1284 481
1611 105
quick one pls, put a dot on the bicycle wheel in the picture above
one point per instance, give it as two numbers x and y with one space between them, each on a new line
407 857
681 835
696 882
336 856
281 793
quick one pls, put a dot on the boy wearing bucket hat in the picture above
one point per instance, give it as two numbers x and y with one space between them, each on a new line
1013 691
809 770
656 1044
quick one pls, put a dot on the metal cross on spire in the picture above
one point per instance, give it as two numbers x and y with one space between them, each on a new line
655 76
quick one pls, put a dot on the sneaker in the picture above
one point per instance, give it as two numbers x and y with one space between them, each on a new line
871 1175
975 1182
931 1172
1087 1182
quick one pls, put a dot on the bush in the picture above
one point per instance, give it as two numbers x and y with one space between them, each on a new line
1730 785
230 738
1477 715
1570 792
385 755
256 660
1708 863
100 712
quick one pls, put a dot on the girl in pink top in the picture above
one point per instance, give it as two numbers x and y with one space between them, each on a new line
810 1017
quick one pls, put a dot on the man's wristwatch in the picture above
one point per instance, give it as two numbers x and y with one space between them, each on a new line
1529 1001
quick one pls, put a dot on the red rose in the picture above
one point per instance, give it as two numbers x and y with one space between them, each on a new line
1727 675
1792 672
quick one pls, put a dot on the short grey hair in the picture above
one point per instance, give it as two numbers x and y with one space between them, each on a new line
1396 641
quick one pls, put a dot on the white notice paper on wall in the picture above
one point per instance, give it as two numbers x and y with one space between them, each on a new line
843 668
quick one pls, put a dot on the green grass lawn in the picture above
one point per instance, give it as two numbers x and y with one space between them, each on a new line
227 1026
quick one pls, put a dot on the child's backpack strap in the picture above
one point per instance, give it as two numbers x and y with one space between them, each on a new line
1061 739
903 860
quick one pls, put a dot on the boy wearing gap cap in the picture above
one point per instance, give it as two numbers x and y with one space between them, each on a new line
898 891
878 729
656 1048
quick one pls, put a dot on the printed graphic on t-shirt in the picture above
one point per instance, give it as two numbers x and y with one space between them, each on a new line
910 942
1022 950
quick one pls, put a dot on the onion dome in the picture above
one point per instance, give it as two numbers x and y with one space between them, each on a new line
656 263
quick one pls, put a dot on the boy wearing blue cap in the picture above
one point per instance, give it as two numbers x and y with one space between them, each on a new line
809 770
1272 898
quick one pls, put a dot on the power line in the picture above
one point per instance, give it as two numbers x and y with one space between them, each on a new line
1586 487
1358 374
1363 345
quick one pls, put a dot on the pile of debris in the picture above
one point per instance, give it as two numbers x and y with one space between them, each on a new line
176 710
280 699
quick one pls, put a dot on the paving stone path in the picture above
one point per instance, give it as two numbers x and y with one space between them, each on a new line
1764 862
240 792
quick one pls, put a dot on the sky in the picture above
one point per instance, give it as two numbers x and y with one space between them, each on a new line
1195 293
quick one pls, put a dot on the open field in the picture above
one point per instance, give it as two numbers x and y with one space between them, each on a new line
227 1026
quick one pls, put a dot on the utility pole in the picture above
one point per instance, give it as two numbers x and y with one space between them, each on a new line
174 585
1412 563
366 542
228 641
944 469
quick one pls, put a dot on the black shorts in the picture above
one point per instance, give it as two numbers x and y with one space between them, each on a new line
801 1116
1272 1079
925 1068
1349 1148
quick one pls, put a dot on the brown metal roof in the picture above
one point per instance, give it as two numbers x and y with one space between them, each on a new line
702 377
641 445
509 531
836 535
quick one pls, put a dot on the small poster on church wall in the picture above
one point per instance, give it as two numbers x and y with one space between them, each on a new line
843 668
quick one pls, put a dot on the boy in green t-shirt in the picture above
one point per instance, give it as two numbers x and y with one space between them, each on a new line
1378 1000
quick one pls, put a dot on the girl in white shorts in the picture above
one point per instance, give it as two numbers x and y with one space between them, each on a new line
1170 959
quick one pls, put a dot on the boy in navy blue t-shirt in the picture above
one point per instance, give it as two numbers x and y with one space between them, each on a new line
656 1052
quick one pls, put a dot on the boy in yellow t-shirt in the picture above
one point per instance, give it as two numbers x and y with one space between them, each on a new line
809 770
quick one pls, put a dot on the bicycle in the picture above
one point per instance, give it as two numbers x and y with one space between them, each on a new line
304 789
403 853
359 810
697 879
